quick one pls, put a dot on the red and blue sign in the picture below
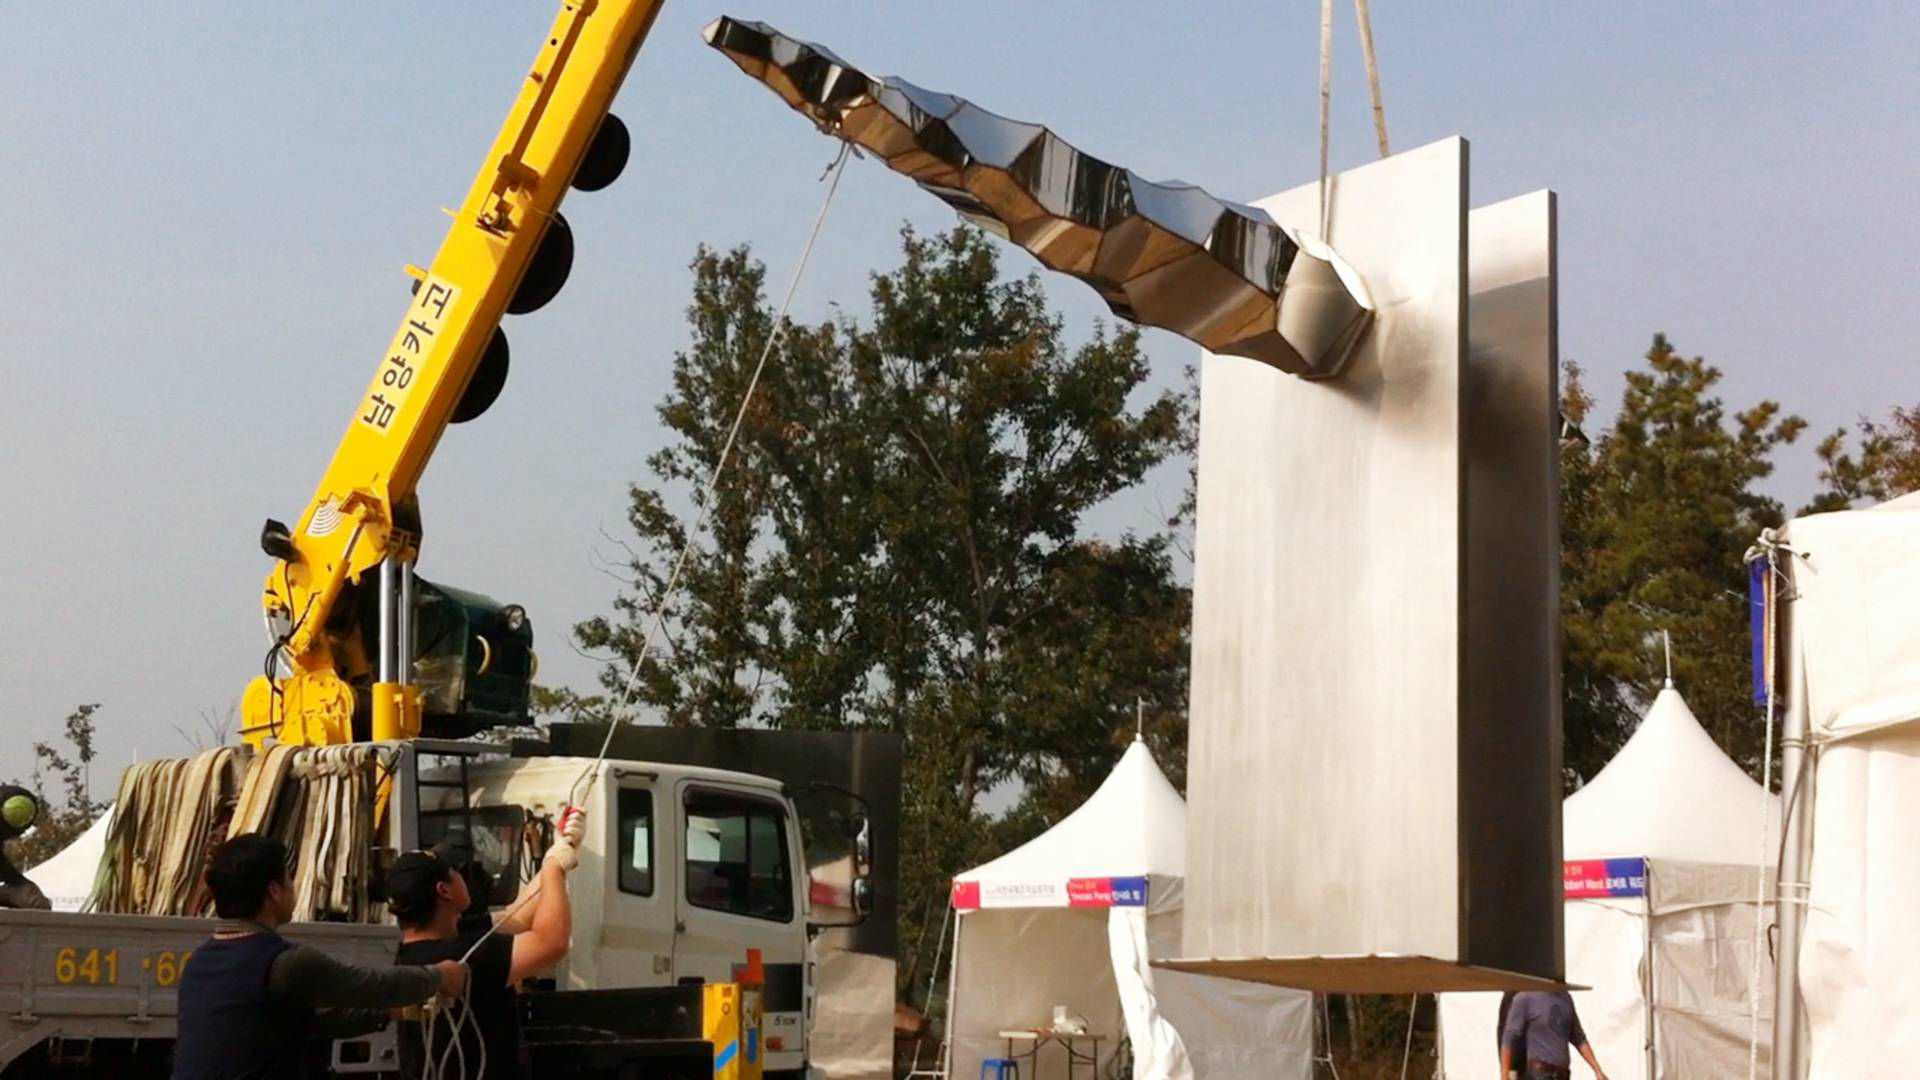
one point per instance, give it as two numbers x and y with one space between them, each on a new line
1588 879
1106 892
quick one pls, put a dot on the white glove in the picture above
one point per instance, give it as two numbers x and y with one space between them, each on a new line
563 855
565 852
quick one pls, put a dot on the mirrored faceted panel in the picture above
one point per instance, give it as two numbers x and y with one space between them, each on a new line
1160 253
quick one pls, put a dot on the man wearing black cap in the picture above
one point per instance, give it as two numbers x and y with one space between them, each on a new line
252 1003
429 897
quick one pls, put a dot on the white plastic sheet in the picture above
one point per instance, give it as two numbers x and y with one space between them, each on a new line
1158 1051
1856 581
852 1035
1234 1029
1860 956
1703 971
67 876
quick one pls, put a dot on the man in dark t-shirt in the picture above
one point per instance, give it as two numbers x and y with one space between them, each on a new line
493 1028
1500 1029
1543 1030
429 897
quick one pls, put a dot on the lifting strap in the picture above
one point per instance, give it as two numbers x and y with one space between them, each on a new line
171 815
166 814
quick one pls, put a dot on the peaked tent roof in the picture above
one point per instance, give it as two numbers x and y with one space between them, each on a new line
66 876
1135 825
1670 793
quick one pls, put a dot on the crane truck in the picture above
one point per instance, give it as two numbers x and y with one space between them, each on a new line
685 872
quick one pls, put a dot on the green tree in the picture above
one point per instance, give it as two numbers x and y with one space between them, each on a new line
61 780
900 543
1885 465
1594 717
1656 515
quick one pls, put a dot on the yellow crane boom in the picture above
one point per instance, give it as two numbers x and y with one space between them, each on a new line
507 251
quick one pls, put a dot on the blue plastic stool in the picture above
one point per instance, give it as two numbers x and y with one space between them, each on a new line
1002 1068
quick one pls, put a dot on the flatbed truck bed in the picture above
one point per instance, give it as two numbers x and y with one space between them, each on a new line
90 989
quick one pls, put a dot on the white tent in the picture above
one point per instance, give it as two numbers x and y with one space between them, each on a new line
1073 917
1663 849
67 875
1856 664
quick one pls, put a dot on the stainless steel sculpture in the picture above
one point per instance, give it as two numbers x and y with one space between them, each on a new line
1373 735
1164 254
1373 721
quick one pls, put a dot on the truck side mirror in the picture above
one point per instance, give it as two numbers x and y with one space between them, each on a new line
862 834
863 896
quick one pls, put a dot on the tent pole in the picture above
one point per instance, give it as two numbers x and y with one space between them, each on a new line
1790 884
953 997
1646 966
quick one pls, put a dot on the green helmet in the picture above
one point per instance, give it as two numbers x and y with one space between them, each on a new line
18 811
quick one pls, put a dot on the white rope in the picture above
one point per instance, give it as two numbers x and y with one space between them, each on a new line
458 1012
427 1013
1365 18
1326 103
591 775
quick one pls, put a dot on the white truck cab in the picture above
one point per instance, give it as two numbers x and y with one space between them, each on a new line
684 869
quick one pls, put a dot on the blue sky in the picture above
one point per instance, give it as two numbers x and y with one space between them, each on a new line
206 210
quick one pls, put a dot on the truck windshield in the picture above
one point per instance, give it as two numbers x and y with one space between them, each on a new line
494 835
737 856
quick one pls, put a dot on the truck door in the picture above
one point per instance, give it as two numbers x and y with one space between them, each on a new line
636 941
738 868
